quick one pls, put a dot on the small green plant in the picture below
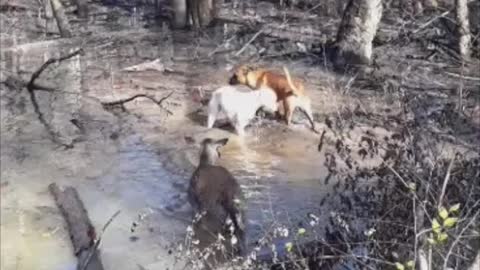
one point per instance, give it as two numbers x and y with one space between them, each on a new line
445 221
410 265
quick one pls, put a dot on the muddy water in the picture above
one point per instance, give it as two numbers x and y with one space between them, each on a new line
138 162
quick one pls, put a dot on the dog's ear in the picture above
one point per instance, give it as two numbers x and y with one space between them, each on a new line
221 142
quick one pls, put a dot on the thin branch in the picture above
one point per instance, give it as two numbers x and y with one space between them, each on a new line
50 61
97 243
445 182
150 97
472 220
249 42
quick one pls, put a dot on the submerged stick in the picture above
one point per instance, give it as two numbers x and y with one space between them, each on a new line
82 233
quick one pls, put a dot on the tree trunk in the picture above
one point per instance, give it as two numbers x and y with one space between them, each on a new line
356 32
180 18
62 22
202 12
463 28
82 8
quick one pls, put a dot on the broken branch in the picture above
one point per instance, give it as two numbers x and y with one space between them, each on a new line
150 97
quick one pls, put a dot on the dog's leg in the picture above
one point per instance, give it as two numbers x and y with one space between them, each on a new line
240 129
306 107
212 113
289 107
239 125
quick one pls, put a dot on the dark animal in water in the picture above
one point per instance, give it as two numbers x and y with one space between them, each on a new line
215 193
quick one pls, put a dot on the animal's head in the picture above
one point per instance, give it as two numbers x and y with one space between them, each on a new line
244 75
210 150
268 99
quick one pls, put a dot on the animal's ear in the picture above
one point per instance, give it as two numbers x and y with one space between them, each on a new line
222 142
207 141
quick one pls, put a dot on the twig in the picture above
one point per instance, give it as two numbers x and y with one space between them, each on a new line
422 260
445 182
460 90
97 243
463 77
320 144
150 97
474 219
249 42
431 21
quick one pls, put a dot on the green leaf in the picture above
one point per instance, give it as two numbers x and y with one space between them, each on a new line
442 237
450 222
289 246
412 186
431 241
301 231
436 228
454 208
410 264
399 266
442 212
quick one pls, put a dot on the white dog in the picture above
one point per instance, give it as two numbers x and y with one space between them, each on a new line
239 107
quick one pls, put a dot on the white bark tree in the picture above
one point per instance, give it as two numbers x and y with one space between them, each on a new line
463 28
200 12
356 33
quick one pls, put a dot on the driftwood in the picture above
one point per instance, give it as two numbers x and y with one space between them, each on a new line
82 232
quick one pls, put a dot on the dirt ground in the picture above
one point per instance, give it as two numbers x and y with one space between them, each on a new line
138 159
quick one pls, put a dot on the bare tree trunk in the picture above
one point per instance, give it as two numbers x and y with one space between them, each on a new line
463 28
61 18
202 12
356 32
180 18
82 8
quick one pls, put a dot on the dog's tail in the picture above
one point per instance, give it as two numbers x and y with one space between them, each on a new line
290 82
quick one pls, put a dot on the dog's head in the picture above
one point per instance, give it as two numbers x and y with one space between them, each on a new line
243 75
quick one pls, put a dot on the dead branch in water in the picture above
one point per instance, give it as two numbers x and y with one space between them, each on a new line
121 102
82 233
50 61
31 87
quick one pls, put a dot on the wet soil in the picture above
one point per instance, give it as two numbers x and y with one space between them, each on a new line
139 159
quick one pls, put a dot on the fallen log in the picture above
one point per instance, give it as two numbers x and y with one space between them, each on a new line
82 233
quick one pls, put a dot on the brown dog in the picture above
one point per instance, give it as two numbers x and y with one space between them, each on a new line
291 93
